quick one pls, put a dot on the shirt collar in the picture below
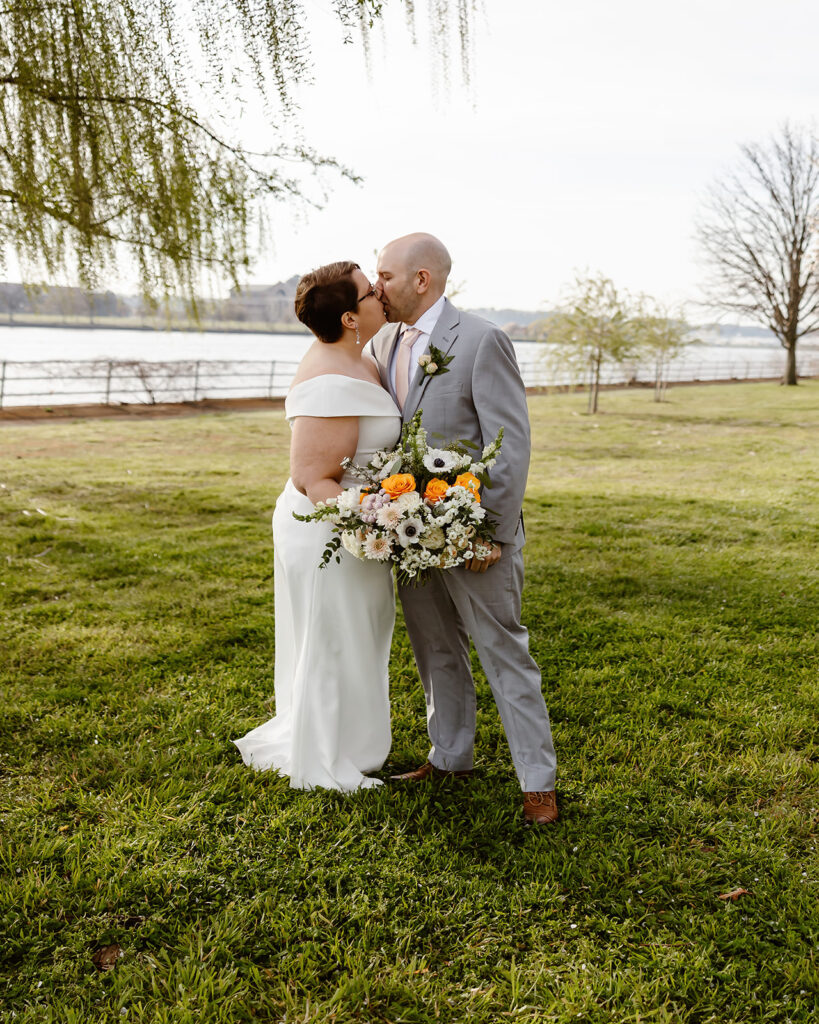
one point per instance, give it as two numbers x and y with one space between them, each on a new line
426 321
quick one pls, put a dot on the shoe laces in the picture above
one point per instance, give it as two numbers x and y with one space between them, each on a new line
539 799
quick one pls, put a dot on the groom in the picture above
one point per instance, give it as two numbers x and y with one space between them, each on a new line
481 391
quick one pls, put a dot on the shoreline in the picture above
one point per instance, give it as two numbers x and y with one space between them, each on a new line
125 324
161 410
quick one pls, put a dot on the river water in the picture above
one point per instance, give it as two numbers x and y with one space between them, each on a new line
47 365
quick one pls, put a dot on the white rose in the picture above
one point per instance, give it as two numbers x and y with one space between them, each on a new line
407 502
349 499
434 538
350 543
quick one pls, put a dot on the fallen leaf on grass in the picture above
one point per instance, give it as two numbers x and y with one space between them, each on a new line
734 894
105 959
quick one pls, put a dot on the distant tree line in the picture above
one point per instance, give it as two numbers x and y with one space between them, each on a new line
263 304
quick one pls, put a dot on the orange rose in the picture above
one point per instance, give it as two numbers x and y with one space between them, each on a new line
471 482
436 489
363 494
399 483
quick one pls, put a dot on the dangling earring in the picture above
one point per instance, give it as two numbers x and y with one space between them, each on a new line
357 335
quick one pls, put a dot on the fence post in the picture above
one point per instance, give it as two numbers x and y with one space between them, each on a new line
108 383
272 376
196 381
2 381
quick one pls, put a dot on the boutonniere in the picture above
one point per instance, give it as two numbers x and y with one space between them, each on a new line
434 362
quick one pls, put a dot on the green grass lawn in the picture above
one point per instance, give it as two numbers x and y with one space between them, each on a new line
673 602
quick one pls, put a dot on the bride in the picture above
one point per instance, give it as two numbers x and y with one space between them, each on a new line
333 625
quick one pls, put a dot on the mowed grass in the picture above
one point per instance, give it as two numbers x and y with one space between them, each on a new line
673 602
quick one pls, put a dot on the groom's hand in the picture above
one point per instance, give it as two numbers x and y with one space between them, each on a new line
482 564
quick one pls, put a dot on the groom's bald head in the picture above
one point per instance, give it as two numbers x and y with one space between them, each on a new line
412 275
421 251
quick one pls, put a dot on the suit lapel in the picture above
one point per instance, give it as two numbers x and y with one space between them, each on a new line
443 337
383 347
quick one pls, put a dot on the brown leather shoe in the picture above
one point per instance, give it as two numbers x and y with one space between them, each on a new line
429 771
540 808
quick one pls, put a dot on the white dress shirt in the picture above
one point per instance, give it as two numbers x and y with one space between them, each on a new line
426 325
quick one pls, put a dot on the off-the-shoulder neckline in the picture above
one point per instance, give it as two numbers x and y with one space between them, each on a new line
344 376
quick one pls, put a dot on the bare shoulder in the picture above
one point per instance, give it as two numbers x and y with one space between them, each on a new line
326 361
314 363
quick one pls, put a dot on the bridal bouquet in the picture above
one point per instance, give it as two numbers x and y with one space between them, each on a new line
417 507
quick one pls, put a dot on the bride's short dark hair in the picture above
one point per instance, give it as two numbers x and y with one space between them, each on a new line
323 296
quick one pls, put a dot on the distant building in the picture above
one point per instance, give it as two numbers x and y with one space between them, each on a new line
265 303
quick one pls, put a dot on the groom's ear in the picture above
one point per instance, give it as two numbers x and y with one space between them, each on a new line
423 281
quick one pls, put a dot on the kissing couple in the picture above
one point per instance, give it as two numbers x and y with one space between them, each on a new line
359 381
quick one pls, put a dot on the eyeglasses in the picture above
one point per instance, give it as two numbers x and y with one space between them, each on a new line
366 295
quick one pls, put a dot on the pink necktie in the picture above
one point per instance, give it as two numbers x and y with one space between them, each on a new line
402 364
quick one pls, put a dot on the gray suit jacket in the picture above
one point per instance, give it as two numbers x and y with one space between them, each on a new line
481 392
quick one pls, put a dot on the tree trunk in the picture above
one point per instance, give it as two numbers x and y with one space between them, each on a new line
790 362
595 384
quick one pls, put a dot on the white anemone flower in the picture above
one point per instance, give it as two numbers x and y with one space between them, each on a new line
409 532
439 460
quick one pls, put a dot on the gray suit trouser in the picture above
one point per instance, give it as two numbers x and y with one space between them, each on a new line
441 615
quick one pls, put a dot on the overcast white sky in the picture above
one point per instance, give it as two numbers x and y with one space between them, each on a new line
586 140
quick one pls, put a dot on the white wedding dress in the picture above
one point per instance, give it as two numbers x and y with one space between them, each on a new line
333 625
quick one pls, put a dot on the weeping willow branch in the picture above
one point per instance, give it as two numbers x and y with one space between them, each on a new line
104 151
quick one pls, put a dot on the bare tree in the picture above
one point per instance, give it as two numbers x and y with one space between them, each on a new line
759 232
660 335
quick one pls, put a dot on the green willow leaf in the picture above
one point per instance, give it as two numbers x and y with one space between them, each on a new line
110 147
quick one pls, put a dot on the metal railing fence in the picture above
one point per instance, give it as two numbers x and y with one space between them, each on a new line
113 382
110 381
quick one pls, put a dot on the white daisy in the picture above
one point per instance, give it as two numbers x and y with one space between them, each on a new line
457 536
